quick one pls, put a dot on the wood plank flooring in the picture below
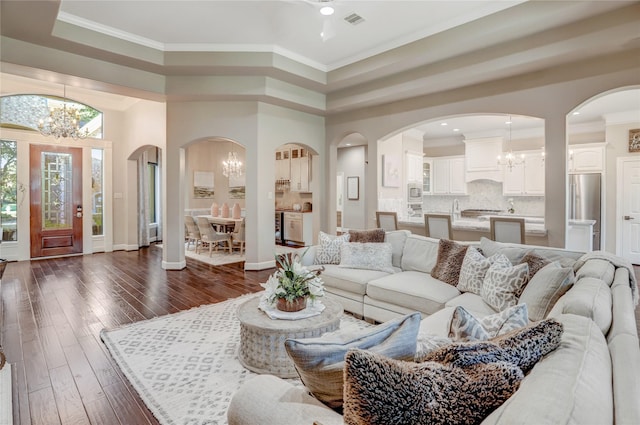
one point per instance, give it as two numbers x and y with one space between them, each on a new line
52 311
51 314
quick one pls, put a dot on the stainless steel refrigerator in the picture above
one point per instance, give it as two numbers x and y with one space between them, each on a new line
584 201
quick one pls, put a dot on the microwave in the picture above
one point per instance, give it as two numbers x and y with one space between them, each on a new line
414 192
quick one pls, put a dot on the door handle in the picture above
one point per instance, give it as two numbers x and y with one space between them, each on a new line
628 217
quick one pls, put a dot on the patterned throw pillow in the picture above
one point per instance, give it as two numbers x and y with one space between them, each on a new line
368 256
502 283
320 361
373 235
449 261
474 268
328 251
465 327
382 391
535 263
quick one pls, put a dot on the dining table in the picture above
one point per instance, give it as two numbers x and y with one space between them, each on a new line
222 224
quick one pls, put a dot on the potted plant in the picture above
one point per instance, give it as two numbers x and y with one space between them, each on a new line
293 284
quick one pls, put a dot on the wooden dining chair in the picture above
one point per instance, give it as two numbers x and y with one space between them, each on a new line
193 234
438 226
210 237
387 220
237 236
507 229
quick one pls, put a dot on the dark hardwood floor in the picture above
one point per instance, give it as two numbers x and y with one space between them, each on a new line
52 312
51 315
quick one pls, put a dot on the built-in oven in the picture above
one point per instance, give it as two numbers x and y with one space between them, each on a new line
414 193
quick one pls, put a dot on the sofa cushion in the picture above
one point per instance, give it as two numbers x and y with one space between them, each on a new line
328 251
571 385
466 327
320 361
351 280
367 236
589 297
414 290
545 288
502 283
419 254
514 252
473 303
449 261
397 240
382 391
597 268
535 262
368 256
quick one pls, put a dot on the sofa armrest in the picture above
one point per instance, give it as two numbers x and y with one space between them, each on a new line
266 399
309 255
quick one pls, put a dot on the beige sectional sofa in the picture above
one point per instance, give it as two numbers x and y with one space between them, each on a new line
592 378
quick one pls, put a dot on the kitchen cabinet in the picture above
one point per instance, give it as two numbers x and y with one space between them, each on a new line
299 170
481 158
298 228
449 176
525 179
427 176
586 158
580 235
283 164
414 168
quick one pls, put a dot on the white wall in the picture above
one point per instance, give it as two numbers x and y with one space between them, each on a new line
351 162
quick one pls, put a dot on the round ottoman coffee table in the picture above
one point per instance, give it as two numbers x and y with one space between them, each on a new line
262 338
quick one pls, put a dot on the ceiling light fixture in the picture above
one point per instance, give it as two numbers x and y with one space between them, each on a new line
510 160
232 167
327 10
63 121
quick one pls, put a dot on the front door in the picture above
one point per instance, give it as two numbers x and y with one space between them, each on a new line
56 200
631 211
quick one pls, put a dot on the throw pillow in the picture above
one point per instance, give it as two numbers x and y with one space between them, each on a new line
545 288
465 327
514 252
525 347
502 283
368 256
535 262
328 251
320 361
364 236
449 261
383 391
474 267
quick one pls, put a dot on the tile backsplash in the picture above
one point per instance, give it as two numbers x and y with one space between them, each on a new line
484 194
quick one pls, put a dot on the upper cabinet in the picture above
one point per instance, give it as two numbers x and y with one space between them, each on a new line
586 158
299 170
526 178
283 164
449 176
414 167
427 176
481 158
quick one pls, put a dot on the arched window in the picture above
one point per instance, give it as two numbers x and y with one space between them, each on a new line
24 112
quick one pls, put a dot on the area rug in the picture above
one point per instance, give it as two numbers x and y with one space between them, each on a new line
6 413
185 365
220 257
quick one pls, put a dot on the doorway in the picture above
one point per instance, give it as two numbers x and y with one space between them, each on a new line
629 208
56 200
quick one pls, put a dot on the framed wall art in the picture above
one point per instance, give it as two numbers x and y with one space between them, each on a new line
353 188
634 140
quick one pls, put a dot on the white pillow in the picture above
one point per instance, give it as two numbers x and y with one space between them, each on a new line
474 268
502 283
369 256
465 327
328 251
545 288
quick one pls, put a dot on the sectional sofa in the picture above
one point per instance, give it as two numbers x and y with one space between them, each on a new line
593 377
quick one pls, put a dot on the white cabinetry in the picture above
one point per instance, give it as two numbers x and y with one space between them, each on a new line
298 227
586 158
580 235
449 176
527 178
299 170
283 164
427 176
414 168
481 156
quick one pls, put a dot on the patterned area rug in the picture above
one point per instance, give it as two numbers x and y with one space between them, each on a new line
220 257
185 365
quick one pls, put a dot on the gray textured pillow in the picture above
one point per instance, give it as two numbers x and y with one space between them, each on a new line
502 284
320 361
449 262
328 251
364 236
368 256
545 288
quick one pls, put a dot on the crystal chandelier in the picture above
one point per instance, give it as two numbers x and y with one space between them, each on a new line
232 167
63 121
510 159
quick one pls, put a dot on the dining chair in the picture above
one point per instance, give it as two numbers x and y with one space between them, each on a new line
507 229
387 220
438 226
193 234
237 236
210 237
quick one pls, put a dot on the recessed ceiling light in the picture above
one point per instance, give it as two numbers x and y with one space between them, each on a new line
456 129
348 144
576 113
326 10
508 122
443 124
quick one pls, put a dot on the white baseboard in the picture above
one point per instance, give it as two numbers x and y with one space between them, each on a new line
125 247
260 266
177 265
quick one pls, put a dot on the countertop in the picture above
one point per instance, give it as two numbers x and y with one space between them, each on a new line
291 210
532 225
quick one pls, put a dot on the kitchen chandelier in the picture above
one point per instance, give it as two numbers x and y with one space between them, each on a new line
232 167
510 160
63 121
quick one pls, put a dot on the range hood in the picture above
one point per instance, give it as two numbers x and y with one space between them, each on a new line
481 159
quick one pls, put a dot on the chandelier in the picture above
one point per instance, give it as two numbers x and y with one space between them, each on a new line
510 159
232 167
63 121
